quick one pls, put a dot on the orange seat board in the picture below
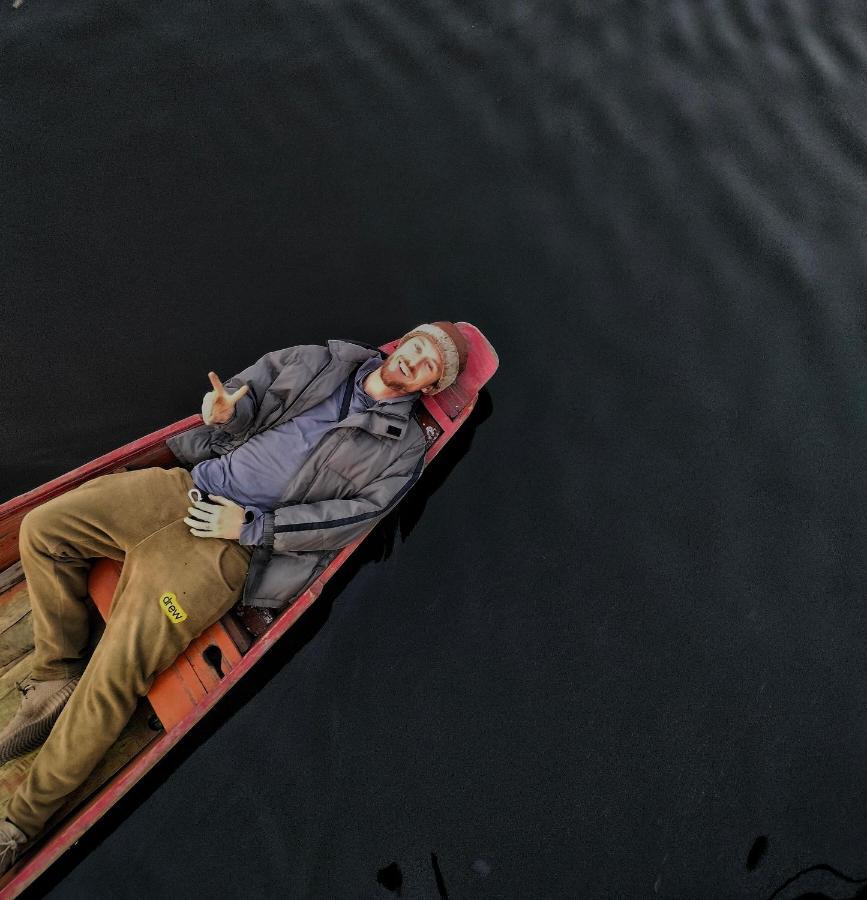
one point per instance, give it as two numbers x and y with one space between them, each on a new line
176 691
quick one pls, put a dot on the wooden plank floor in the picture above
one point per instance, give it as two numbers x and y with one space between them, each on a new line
16 649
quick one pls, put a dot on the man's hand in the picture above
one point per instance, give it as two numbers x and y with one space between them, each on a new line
222 519
218 406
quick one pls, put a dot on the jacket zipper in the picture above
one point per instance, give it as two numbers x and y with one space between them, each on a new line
258 563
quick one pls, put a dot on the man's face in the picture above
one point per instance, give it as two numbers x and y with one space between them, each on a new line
415 365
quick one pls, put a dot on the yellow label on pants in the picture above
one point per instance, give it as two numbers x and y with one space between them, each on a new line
171 607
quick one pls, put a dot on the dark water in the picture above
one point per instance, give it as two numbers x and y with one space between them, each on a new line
622 653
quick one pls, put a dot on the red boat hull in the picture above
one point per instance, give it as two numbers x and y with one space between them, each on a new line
189 695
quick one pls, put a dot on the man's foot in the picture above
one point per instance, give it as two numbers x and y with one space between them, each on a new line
12 839
41 704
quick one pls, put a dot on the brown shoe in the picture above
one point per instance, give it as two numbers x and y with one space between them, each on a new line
12 839
41 704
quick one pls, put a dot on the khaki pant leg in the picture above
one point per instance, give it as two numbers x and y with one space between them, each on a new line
206 575
105 517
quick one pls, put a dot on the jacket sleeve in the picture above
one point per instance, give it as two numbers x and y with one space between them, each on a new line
259 377
332 524
245 412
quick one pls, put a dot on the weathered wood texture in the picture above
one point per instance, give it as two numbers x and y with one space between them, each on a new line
12 575
16 631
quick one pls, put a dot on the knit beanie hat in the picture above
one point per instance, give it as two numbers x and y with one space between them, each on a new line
453 348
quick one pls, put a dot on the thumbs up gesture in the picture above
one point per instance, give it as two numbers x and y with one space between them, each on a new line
218 406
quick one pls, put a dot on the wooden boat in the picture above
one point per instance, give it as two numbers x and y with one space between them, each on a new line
210 666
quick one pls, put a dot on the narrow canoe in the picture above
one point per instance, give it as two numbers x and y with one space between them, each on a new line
212 664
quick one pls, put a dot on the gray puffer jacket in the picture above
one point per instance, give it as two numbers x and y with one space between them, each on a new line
355 475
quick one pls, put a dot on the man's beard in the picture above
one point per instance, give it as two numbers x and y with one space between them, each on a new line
391 380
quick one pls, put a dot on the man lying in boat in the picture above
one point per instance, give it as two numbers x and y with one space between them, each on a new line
299 453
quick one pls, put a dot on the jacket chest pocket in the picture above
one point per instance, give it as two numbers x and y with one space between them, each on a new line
357 460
